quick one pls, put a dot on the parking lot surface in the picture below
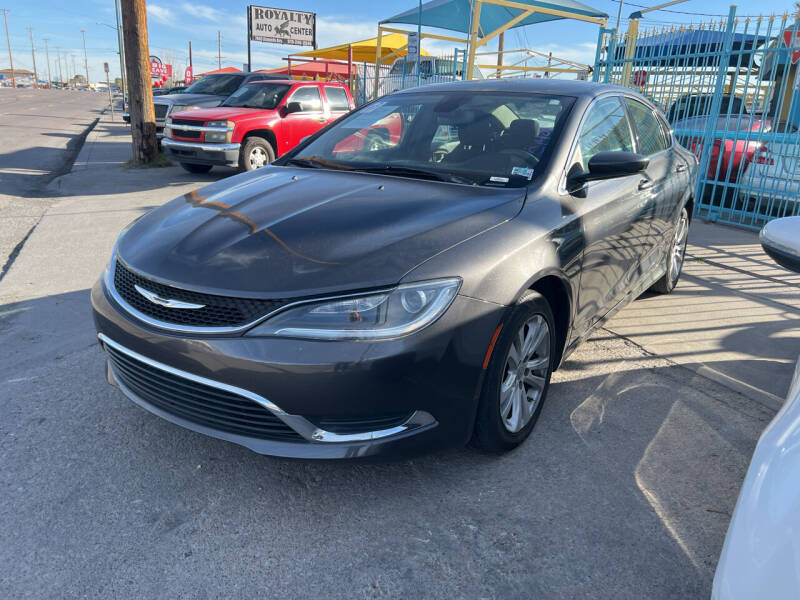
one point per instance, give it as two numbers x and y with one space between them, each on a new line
624 490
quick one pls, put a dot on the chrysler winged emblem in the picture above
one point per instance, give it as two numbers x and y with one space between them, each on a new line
167 302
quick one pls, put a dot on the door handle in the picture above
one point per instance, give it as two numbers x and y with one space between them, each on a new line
645 184
680 168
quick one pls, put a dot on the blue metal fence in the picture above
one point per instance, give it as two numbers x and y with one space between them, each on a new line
731 91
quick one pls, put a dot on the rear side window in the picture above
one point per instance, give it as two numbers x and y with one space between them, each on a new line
308 97
605 129
649 135
337 99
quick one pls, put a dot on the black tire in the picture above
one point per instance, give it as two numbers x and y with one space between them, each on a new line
491 432
195 168
675 256
255 144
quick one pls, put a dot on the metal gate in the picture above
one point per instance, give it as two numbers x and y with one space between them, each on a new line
731 91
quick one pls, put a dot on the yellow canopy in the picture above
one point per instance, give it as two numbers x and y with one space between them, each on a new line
363 50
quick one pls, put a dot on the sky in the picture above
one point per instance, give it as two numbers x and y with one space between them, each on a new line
173 23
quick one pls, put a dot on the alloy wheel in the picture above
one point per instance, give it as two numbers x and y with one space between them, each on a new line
679 247
525 374
258 157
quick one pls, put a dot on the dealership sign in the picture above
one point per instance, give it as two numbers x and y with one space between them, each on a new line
282 26
159 70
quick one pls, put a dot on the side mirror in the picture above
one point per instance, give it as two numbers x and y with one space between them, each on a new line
293 107
610 165
780 239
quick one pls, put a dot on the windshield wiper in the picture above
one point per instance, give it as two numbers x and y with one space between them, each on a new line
312 162
416 173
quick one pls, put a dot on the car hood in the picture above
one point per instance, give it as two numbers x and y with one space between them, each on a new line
221 113
284 232
190 99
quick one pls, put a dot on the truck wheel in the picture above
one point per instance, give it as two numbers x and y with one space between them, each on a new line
195 168
256 153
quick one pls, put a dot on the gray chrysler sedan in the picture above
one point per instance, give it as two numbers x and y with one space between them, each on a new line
408 278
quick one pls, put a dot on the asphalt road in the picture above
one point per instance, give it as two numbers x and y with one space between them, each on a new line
38 129
624 490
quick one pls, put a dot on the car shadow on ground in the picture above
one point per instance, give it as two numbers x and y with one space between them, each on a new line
624 490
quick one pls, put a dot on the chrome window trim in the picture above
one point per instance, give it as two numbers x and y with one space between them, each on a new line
301 425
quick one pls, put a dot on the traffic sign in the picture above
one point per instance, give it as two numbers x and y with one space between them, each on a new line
105 67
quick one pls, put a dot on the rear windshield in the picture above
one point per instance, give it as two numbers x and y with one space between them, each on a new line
258 95
217 85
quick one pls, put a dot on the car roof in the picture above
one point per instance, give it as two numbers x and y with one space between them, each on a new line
299 82
585 89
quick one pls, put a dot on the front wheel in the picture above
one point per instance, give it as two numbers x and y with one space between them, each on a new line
256 153
518 376
675 258
195 168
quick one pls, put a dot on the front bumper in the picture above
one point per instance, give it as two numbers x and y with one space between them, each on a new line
433 376
202 153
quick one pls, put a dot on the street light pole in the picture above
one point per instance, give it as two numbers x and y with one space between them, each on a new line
47 54
60 75
33 56
10 58
85 59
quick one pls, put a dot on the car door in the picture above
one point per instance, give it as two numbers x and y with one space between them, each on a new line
306 122
338 102
661 186
614 224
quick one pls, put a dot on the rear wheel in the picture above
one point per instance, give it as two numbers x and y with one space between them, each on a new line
256 153
675 258
195 168
518 376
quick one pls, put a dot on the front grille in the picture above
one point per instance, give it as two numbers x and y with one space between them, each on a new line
186 135
344 426
197 402
161 110
189 122
217 311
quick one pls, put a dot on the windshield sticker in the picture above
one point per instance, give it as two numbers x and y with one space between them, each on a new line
522 172
499 179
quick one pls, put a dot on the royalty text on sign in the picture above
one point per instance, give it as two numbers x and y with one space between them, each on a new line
282 26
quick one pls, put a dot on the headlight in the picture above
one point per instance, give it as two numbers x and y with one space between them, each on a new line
217 136
220 124
386 315
180 107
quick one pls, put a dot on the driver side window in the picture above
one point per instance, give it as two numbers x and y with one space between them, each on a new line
605 129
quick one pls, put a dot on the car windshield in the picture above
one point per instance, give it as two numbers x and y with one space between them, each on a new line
217 85
258 95
498 139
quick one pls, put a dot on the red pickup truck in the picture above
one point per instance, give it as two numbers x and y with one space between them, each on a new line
256 124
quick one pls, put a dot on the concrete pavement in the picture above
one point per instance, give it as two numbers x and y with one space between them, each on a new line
39 131
624 490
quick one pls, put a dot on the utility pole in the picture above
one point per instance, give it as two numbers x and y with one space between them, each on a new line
85 60
60 75
10 58
74 70
190 59
33 56
219 50
140 92
122 74
47 54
